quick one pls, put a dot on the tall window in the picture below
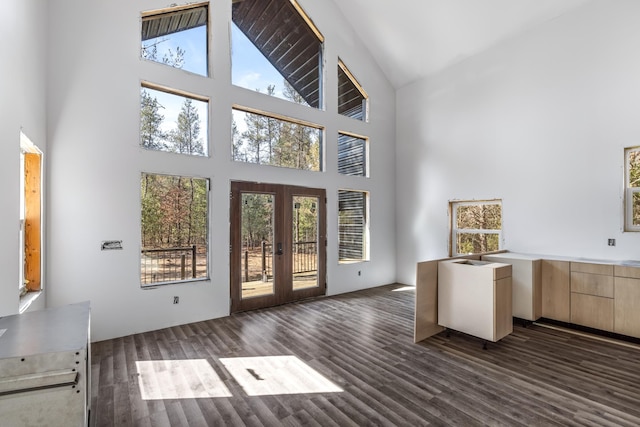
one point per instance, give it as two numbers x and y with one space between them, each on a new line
353 226
632 189
30 216
276 49
177 36
352 155
174 229
352 99
172 122
266 140
476 226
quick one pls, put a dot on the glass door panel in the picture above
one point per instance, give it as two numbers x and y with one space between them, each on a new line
304 253
277 244
257 267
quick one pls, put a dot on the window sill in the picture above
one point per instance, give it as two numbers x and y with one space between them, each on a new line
27 299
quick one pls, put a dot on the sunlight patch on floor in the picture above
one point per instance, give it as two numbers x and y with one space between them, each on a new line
405 289
179 379
276 375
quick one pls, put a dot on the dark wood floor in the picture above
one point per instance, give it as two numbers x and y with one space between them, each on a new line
362 343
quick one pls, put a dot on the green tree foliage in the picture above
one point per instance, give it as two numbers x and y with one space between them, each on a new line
634 182
483 216
174 211
305 216
257 219
151 134
270 141
185 138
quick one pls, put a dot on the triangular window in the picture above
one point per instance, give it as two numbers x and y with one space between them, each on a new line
277 50
352 99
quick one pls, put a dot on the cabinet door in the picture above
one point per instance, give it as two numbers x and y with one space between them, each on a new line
556 290
626 304
592 311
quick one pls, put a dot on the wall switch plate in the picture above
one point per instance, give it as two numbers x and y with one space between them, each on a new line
611 242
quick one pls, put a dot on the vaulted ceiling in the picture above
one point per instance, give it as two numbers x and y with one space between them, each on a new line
411 39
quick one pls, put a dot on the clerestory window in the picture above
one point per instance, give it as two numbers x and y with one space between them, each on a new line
352 99
267 140
277 50
177 36
352 155
173 122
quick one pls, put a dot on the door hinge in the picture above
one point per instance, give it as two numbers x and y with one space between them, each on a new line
230 248
231 195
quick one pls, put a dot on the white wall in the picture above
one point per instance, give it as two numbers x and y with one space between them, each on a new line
96 161
539 121
22 108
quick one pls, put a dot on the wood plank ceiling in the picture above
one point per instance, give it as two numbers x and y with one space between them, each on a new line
279 32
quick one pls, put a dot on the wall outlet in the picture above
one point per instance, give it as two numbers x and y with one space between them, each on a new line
176 300
359 273
611 242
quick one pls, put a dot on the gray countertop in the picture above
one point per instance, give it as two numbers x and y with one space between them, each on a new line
57 329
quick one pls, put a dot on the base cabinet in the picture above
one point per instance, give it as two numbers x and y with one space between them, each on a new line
556 290
474 297
525 283
45 367
627 301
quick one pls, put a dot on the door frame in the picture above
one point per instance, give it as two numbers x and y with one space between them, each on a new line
283 233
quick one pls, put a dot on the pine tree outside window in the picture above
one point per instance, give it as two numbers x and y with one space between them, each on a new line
173 123
174 229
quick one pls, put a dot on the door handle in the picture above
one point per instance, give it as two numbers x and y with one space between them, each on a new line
279 251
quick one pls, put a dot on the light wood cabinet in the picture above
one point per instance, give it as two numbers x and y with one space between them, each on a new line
592 284
592 311
627 301
556 290
592 295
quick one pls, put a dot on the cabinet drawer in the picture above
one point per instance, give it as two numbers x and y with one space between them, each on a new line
583 267
592 311
592 284
626 271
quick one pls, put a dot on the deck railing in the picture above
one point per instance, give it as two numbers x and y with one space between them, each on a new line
168 264
305 260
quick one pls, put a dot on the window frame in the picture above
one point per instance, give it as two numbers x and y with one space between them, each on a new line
149 14
454 231
365 154
184 94
629 192
321 134
365 108
310 34
32 241
207 215
365 232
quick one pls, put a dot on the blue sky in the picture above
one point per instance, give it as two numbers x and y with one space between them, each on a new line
249 69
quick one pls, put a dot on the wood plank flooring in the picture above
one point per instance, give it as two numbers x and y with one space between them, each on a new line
362 343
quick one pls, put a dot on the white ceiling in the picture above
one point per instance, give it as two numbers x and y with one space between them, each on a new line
411 39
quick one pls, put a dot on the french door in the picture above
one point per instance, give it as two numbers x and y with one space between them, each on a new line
278 244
